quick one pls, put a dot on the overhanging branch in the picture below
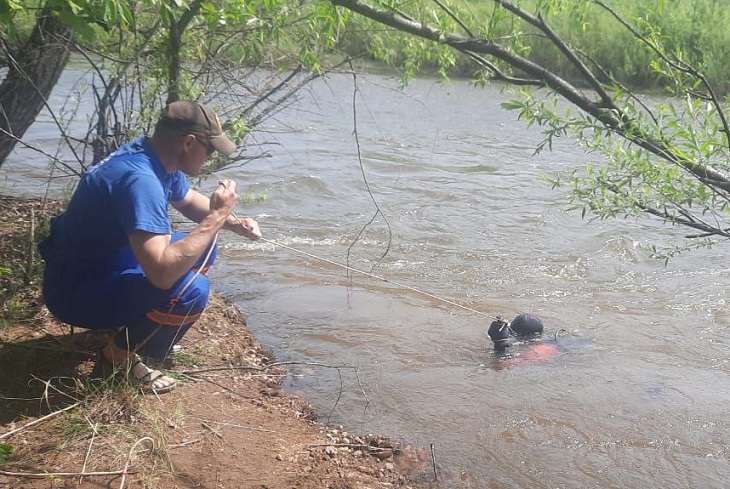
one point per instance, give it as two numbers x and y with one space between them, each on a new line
607 113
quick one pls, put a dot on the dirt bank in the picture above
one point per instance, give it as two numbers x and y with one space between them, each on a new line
227 425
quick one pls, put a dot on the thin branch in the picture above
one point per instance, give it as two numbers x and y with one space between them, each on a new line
263 368
94 432
39 420
367 184
44 475
481 46
358 446
500 75
567 51
456 19
688 219
610 118
679 65
278 364
623 88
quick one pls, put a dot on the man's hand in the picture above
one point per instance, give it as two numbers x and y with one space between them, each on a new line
245 227
224 198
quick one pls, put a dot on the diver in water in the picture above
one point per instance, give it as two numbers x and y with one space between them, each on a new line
524 327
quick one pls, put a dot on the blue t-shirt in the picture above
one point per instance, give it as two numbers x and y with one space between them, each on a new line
129 190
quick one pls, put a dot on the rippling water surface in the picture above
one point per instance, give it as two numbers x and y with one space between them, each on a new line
637 395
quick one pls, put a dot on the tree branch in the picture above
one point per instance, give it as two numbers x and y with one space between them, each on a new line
676 65
610 117
567 51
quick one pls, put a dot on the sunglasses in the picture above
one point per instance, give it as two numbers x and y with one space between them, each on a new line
205 142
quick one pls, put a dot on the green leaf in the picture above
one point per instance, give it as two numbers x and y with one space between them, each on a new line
512 105
5 451
8 5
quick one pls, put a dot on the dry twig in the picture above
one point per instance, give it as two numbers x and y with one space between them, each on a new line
36 421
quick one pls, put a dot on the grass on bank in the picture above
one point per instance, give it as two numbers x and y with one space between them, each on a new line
82 408
89 410
21 268
107 421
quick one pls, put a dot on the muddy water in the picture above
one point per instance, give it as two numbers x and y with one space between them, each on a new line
637 394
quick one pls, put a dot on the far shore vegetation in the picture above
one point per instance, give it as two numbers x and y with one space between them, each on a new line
695 30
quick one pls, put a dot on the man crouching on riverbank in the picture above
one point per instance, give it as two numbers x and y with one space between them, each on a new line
112 260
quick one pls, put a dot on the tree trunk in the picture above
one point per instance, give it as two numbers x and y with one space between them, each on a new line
33 72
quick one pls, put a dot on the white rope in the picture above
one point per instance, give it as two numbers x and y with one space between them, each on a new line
377 277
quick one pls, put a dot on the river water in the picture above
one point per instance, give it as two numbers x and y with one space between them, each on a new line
637 393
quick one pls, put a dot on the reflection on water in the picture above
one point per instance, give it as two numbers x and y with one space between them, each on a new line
635 394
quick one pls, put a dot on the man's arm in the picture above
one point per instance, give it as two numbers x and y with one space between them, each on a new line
164 262
195 206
